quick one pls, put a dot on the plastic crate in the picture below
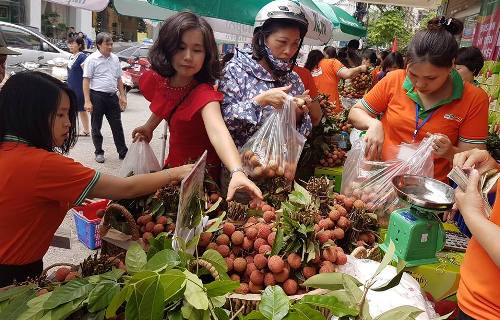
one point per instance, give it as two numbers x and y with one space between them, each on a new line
87 223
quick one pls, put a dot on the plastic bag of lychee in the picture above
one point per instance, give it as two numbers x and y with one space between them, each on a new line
371 181
275 148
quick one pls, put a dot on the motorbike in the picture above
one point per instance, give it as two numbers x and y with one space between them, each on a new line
56 67
132 72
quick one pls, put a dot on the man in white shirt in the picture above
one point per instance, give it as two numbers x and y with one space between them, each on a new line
101 80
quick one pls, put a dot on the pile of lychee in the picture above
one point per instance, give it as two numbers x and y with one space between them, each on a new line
333 158
257 167
150 227
247 246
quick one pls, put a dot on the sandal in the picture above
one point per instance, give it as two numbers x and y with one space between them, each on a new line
84 134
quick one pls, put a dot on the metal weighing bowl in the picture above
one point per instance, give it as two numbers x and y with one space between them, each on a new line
424 192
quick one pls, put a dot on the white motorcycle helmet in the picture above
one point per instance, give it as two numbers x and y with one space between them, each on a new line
282 9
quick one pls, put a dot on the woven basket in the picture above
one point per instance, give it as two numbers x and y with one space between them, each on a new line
132 229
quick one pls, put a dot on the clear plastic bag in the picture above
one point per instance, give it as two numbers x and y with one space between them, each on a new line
274 150
140 159
370 181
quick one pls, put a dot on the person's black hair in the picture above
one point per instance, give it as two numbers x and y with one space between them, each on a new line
313 58
330 52
226 58
393 59
169 41
353 44
370 55
436 44
31 116
79 41
103 37
384 54
342 56
472 58
269 27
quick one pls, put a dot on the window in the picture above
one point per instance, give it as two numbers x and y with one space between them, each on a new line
21 39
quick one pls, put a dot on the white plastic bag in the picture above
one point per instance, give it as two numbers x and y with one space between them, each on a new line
140 159
370 181
275 148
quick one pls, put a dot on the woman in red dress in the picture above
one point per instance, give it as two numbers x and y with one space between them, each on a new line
180 88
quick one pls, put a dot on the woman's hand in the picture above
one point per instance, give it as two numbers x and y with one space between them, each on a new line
142 133
469 202
442 146
240 181
374 139
275 97
481 160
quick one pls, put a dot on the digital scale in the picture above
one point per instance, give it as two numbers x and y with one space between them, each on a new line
416 231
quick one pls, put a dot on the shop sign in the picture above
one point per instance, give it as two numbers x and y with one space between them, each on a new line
487 29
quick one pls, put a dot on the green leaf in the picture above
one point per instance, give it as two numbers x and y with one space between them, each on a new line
146 300
174 315
135 258
35 308
63 311
302 311
17 305
215 226
14 291
393 282
195 294
118 300
278 242
330 281
114 274
353 289
254 315
94 316
72 290
444 317
214 206
344 296
386 260
301 194
164 259
221 314
274 303
193 242
217 261
337 307
221 287
400 313
173 281
101 295
218 302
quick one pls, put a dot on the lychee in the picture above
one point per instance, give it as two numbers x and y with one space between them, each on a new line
251 233
223 250
250 268
222 239
327 267
330 254
235 277
338 233
343 222
264 231
249 259
334 215
323 236
294 260
266 207
243 288
158 228
228 228
237 238
240 264
260 261
257 277
254 288
269 216
265 249
259 242
341 259
205 239
162 220
147 236
212 245
283 275
269 279
247 244
271 237
71 276
149 226
308 272
275 264
229 263
290 287
62 273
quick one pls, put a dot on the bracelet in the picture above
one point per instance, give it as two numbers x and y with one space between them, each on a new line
238 169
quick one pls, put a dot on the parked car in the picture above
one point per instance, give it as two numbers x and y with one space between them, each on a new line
32 45
139 51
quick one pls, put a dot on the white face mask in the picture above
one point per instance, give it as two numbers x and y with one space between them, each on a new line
279 64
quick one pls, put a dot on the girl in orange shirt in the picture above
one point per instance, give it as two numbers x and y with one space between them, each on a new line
39 185
430 97
480 271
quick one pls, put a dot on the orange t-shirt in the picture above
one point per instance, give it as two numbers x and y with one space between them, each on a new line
463 117
38 188
307 79
478 290
326 78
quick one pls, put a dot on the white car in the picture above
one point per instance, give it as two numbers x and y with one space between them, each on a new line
32 46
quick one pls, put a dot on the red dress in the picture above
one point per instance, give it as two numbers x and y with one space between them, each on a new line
188 136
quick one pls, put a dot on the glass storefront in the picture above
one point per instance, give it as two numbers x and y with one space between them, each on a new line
12 11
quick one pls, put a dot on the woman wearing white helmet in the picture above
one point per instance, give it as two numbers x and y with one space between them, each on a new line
257 80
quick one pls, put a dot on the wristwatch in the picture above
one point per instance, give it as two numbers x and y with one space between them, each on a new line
237 169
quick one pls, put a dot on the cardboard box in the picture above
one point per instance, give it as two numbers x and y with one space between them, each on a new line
331 173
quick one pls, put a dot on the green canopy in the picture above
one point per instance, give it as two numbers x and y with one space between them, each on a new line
243 12
345 26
